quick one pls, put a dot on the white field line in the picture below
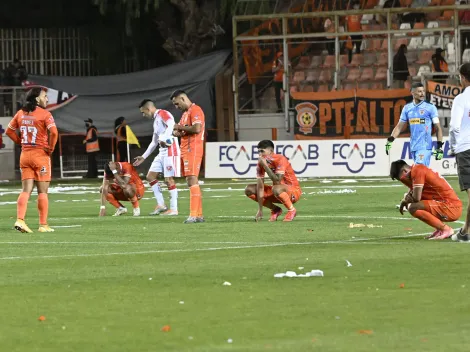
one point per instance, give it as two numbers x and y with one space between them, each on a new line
354 241
65 226
127 242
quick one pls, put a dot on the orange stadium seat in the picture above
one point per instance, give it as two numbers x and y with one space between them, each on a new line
329 61
313 75
299 76
353 75
446 16
364 85
375 45
435 3
367 74
343 60
316 61
307 88
400 42
294 89
407 84
383 60
381 74
384 46
325 76
357 60
370 59
425 57
412 71
303 63
447 2
349 86
377 85
323 88
418 25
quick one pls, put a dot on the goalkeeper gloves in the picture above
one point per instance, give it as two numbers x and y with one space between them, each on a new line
439 153
388 145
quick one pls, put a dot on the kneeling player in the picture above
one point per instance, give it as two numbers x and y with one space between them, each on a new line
285 188
127 186
431 199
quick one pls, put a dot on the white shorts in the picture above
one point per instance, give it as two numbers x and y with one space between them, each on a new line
170 166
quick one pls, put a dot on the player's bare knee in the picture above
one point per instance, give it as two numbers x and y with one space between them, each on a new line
169 181
412 208
150 178
277 190
249 190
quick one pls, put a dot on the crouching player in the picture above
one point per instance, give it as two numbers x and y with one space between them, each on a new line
127 186
285 189
431 199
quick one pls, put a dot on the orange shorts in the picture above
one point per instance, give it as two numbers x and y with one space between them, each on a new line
443 211
190 165
35 164
119 193
293 192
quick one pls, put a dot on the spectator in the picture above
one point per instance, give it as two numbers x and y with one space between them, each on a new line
464 19
330 41
121 139
92 148
354 25
439 64
400 67
412 17
15 73
278 70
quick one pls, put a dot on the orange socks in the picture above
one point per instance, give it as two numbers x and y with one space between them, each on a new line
43 208
195 200
199 209
285 199
22 205
429 219
111 199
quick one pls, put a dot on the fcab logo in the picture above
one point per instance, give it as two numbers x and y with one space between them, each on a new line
241 159
353 157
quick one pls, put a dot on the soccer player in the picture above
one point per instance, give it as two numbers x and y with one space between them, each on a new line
127 186
191 128
167 162
285 189
459 134
421 116
430 199
33 122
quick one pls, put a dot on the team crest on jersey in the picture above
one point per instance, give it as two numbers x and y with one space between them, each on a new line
306 116
169 168
186 162
421 112
43 170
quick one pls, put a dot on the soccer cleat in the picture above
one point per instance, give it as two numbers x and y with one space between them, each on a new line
136 212
169 212
460 237
120 211
200 219
434 234
290 215
190 220
45 228
21 226
446 233
275 213
159 209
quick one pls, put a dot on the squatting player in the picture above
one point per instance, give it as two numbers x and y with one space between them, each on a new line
285 188
33 122
191 128
167 162
127 186
431 199
421 116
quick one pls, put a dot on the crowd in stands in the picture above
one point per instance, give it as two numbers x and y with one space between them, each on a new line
14 75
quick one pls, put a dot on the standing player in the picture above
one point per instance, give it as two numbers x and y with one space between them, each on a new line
167 162
285 188
33 122
431 199
191 129
421 116
127 186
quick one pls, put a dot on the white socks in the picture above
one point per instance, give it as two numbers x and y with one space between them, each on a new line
174 199
157 191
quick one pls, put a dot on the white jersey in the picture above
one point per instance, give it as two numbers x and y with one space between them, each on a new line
459 131
163 123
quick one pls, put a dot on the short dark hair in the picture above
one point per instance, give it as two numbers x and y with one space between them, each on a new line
177 93
107 170
416 85
266 143
145 101
396 167
464 70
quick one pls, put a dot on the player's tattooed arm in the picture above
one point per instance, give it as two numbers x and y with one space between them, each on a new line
122 181
194 129
417 193
276 178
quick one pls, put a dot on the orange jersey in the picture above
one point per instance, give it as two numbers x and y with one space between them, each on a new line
435 187
127 170
193 143
33 127
279 165
354 23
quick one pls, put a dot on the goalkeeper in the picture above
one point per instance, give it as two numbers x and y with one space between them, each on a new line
421 116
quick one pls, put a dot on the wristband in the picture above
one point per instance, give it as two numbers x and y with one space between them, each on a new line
114 172
439 144
390 139
102 207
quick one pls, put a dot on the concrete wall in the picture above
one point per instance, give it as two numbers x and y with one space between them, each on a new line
7 152
257 127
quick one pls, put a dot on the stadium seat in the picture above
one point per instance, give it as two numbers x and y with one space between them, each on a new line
425 57
357 60
377 85
403 26
316 61
384 46
367 18
323 88
307 88
381 74
325 76
412 71
343 60
447 15
370 59
367 74
375 45
428 41
383 60
415 43
447 2
435 3
304 62
466 56
364 85
313 75
353 74
329 61
370 4
433 24
293 89
349 86
451 67
401 41
450 52
418 25
407 84
423 69
299 76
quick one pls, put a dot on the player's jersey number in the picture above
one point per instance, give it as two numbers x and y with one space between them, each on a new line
28 134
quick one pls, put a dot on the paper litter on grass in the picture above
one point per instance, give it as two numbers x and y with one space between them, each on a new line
314 272
370 226
334 191
226 283
348 263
